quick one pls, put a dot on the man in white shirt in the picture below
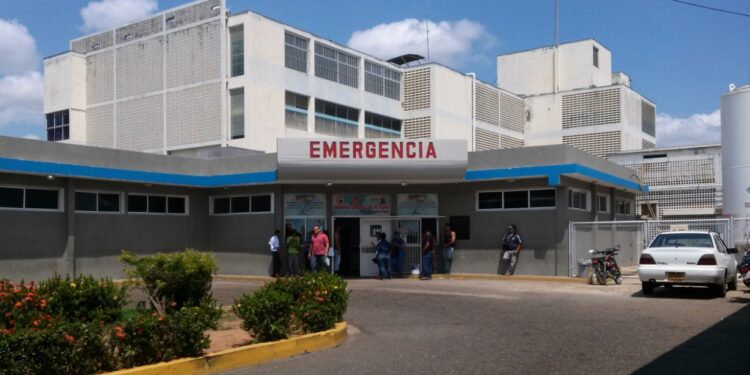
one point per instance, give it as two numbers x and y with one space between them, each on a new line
274 244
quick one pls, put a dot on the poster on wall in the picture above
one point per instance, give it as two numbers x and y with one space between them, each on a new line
303 226
361 204
304 204
417 204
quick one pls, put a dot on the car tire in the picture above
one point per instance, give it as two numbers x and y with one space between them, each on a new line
732 285
720 290
746 282
647 288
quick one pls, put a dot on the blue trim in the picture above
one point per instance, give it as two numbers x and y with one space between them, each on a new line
337 119
553 173
295 109
72 170
382 129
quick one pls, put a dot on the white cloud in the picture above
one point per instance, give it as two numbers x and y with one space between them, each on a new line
453 43
107 14
700 128
32 136
17 48
21 99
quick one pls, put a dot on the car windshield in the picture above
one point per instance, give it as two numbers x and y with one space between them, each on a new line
683 240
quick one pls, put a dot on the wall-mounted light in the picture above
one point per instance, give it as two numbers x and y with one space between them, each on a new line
404 184
50 177
329 184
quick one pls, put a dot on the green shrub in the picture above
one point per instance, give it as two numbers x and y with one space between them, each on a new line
322 302
311 303
65 349
84 298
267 313
147 337
181 277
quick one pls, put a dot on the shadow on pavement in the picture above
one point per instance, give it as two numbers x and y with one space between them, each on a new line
717 350
679 292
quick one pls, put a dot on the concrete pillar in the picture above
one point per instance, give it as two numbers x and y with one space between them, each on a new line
68 261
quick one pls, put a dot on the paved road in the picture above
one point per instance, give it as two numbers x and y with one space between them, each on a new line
491 327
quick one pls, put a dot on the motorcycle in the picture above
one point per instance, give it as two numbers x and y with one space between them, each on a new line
744 268
604 265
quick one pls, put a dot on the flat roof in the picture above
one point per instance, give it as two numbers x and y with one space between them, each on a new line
35 157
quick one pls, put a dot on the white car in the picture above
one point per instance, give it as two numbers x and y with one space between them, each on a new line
688 258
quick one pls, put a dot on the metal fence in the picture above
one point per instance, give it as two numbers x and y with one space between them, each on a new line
634 236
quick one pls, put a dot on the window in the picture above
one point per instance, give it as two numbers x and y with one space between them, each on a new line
377 126
97 202
237 45
11 197
678 240
237 103
542 198
242 204
336 120
517 199
30 198
157 204
58 126
296 111
596 56
603 202
295 52
382 81
337 66
578 199
624 207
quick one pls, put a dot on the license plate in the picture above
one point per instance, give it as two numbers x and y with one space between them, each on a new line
675 276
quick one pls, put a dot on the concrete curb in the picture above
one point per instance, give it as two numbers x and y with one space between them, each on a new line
477 276
245 356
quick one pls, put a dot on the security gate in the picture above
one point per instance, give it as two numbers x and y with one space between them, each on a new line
409 229
632 237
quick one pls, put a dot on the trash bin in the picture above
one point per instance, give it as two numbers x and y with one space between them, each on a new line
584 267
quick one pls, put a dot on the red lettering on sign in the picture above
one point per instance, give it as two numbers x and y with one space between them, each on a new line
344 150
397 150
357 150
370 150
314 149
383 150
329 149
431 151
410 154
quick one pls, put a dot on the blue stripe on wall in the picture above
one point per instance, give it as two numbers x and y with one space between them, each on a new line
72 170
552 172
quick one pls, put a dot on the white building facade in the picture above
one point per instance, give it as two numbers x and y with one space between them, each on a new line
684 182
573 98
195 77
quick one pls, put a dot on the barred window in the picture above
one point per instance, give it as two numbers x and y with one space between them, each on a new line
296 52
378 126
336 120
296 111
337 66
382 81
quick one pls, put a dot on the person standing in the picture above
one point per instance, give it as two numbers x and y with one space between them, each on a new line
383 255
398 251
449 246
511 248
274 244
292 248
428 247
319 245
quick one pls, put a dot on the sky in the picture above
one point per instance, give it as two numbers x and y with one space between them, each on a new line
680 57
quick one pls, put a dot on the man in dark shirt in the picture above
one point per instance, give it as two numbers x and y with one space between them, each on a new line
428 247
511 248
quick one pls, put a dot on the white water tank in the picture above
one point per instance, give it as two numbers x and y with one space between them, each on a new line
735 151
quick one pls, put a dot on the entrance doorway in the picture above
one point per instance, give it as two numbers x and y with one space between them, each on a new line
349 245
